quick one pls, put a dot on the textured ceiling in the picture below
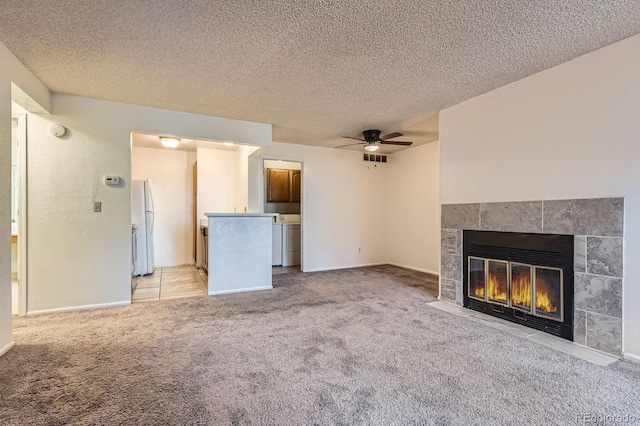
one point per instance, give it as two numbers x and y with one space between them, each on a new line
316 70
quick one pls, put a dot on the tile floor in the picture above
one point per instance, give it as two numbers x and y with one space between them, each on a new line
170 283
180 281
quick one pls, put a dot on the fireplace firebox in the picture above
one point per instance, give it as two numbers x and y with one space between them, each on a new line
522 278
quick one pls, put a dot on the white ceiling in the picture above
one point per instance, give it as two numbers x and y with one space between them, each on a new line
316 70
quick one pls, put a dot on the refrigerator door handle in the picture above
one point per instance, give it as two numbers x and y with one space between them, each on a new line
150 222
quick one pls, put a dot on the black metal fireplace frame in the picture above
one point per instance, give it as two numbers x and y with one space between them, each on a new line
552 250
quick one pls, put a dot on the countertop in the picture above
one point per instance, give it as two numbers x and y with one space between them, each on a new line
241 214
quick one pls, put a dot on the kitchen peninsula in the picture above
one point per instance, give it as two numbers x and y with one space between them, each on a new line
239 254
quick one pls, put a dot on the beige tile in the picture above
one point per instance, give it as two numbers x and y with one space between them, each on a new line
185 294
150 299
147 282
177 287
182 268
186 277
146 293
183 290
185 283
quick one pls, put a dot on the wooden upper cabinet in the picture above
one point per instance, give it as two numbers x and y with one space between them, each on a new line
295 184
278 189
283 186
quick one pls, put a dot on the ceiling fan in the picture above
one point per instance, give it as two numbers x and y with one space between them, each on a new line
372 140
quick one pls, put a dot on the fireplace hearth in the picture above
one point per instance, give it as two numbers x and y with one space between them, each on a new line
520 277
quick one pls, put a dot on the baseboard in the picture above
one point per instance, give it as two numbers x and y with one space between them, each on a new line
426 271
79 308
241 290
6 347
335 268
362 265
632 357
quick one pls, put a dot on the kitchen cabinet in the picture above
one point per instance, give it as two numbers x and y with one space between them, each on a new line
277 186
295 183
283 186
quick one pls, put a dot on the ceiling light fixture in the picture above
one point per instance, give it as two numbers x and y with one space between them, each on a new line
229 143
371 147
168 142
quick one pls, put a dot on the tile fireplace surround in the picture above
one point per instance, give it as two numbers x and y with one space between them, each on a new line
597 227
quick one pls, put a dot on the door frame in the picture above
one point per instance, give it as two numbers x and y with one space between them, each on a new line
263 196
22 212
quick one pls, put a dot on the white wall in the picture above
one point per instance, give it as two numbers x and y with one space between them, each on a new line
567 132
216 181
413 208
343 205
287 165
222 182
171 174
78 258
12 73
242 153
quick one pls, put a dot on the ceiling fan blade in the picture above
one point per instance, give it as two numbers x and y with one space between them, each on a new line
391 136
357 139
351 144
403 143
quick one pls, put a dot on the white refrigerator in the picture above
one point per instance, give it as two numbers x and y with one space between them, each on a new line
142 216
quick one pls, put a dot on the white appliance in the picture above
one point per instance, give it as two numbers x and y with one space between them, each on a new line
142 215
276 241
290 238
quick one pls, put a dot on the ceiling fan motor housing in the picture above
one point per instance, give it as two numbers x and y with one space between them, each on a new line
371 135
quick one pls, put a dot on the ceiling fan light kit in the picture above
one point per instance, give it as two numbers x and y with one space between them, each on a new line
372 140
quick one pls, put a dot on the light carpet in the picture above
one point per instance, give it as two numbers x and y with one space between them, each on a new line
356 346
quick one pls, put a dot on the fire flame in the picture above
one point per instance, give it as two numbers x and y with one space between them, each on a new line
520 293
543 301
495 293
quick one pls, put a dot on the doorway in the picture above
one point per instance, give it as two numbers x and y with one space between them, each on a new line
18 215
283 195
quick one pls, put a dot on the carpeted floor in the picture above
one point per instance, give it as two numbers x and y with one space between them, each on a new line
357 346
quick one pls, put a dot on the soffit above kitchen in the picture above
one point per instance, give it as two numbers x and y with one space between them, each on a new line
149 140
316 71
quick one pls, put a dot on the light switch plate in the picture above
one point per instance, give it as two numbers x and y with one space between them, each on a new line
97 206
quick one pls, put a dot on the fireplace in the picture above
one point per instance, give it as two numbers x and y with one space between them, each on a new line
520 277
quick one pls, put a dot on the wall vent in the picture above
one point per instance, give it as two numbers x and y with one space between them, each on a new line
377 158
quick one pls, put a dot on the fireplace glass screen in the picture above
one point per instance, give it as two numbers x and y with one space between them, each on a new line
531 289
523 278
521 288
476 278
548 294
497 287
